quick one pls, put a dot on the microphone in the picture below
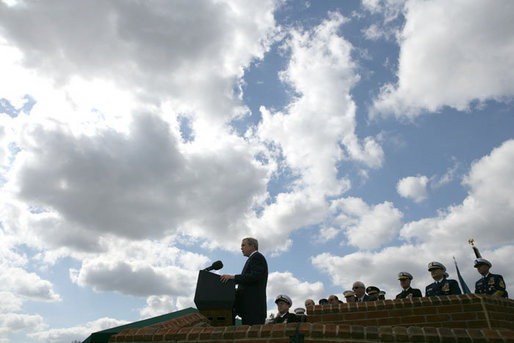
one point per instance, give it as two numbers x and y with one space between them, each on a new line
216 266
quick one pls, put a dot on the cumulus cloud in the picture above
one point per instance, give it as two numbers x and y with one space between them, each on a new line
142 268
413 187
76 333
16 323
365 226
446 59
160 44
486 215
137 185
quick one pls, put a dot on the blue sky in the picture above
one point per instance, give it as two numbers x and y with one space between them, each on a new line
139 142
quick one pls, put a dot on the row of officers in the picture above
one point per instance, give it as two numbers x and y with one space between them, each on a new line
490 284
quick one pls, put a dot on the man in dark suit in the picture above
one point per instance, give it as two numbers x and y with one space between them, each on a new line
250 302
442 285
360 292
407 291
491 284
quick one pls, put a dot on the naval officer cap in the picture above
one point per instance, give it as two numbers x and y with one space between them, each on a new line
404 276
284 298
372 290
482 261
436 265
299 311
348 294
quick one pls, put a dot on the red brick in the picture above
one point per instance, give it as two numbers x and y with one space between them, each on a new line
278 330
254 331
464 316
330 330
477 336
266 329
430 334
217 332
304 328
413 320
332 317
343 330
229 332
386 334
446 335
241 331
317 330
450 308
400 334
508 335
194 333
357 331
415 334
371 332
290 329
492 335
437 318
462 335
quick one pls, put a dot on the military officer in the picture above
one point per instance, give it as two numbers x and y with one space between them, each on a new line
442 285
491 284
284 302
350 296
373 291
407 291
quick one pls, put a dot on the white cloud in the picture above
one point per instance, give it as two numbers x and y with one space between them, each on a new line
365 226
157 305
446 57
15 323
413 187
485 215
66 335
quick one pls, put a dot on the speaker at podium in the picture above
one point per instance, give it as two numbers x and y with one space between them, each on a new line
214 299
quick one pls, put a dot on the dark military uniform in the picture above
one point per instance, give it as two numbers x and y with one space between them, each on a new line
286 318
416 293
492 284
444 287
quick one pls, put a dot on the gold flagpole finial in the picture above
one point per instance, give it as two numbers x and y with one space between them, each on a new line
471 241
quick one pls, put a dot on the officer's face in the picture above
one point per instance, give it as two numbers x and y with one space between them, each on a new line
437 273
282 306
483 269
405 283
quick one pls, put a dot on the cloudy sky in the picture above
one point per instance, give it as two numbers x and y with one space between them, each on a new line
140 141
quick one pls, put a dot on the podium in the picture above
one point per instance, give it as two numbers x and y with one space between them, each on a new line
215 299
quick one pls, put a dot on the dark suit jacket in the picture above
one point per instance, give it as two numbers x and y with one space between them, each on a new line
368 298
416 293
445 287
251 291
288 318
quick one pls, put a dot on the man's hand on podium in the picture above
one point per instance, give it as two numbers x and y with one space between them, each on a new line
225 277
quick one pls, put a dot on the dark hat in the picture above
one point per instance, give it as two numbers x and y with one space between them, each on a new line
481 261
372 290
436 265
284 298
404 276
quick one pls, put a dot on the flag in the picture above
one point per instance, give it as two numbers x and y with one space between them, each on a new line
465 288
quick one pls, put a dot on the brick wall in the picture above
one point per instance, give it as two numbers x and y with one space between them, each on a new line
465 318
455 311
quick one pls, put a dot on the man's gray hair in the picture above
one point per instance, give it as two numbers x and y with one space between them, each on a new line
252 241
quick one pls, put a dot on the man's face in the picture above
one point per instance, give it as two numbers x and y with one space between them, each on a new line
358 289
405 283
246 248
333 300
351 299
483 269
309 302
437 273
282 307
